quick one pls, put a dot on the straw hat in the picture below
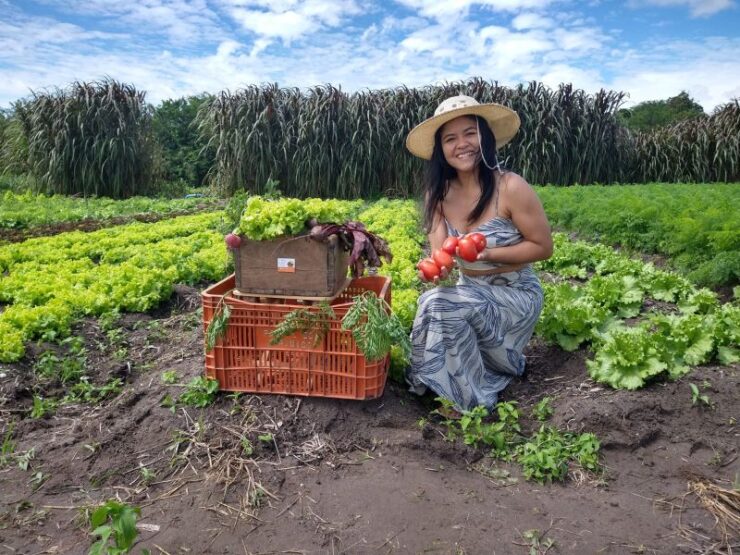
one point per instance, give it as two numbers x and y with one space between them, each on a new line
504 123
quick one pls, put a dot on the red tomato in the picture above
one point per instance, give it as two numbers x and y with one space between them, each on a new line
429 268
443 259
479 239
450 245
467 249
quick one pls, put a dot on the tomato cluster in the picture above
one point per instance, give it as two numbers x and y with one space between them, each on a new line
466 247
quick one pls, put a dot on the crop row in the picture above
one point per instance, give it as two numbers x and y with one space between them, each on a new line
696 226
48 283
672 324
27 210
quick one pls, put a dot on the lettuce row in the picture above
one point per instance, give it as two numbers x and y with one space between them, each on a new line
617 287
25 210
44 299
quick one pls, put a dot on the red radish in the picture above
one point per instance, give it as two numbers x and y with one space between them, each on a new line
479 239
450 245
233 241
467 249
443 259
429 268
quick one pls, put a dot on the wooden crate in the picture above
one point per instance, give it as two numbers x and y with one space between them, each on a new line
291 266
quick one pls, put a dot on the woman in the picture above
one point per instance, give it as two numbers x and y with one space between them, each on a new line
468 339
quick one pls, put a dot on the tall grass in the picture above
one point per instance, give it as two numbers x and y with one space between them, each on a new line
325 142
96 139
91 138
704 149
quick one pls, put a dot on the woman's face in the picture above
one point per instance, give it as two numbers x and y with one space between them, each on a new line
460 144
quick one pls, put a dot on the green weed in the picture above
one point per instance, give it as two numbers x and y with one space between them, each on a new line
41 407
200 392
543 409
8 447
169 376
698 398
24 459
115 524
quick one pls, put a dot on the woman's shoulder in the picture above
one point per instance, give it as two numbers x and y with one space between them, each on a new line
512 181
514 192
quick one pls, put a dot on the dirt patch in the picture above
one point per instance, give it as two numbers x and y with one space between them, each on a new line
18 235
278 474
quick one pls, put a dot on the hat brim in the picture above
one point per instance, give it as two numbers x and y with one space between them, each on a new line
504 123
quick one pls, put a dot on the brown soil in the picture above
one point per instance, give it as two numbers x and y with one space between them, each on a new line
18 235
354 477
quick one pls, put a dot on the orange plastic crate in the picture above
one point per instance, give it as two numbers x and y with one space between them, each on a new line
244 360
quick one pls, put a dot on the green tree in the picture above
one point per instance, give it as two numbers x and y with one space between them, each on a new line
658 113
183 154
4 123
4 119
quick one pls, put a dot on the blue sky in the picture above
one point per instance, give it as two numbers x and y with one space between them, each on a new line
651 49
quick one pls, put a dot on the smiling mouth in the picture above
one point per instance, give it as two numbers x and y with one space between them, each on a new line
466 155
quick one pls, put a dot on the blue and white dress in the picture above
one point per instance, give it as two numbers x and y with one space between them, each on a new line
468 338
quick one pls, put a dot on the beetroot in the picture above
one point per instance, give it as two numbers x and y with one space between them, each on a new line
233 241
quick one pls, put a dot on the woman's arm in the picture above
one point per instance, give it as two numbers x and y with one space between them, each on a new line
529 218
438 233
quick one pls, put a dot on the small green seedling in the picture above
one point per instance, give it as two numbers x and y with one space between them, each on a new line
37 480
8 447
115 524
41 407
247 447
536 543
200 392
169 403
24 459
147 475
698 398
169 376
236 406
543 410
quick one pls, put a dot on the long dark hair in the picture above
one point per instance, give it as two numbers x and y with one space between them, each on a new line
439 172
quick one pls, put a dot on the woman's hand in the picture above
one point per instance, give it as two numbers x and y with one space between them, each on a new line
430 272
443 274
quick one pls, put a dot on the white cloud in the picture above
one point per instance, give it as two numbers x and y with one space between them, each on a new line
458 9
530 20
588 80
330 47
420 44
698 8
709 71
179 21
21 35
580 40
289 19
285 25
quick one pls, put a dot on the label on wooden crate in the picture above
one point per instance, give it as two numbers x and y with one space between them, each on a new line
286 265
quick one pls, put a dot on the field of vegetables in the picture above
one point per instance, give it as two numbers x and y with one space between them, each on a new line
695 227
25 215
622 437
